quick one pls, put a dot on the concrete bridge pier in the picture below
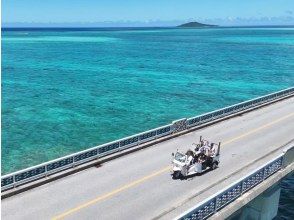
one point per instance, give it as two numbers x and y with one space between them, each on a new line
263 207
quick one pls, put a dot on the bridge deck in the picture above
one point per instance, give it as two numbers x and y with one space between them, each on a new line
139 186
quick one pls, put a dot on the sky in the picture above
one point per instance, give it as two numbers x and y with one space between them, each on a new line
145 13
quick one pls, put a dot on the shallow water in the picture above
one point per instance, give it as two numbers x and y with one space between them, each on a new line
68 90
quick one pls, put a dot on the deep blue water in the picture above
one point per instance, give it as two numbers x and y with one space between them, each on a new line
286 205
64 90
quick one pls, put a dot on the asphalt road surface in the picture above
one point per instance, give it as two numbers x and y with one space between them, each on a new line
139 185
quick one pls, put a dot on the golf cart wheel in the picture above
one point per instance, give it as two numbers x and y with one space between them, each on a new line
176 175
214 165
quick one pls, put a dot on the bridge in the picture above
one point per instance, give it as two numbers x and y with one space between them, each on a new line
135 183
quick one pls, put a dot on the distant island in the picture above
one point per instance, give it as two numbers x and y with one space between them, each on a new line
195 24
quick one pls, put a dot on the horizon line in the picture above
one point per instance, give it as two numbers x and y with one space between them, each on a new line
216 26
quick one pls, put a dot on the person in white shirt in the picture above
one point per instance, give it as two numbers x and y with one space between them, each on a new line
189 160
213 149
205 150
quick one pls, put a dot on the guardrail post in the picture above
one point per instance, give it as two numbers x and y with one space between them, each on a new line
46 171
242 187
172 127
14 183
73 162
263 174
283 162
119 147
215 205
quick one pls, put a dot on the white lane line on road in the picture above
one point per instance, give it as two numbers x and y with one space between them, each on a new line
163 170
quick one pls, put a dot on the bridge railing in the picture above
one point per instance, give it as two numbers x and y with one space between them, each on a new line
57 165
220 113
219 200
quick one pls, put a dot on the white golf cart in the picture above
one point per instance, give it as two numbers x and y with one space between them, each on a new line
205 156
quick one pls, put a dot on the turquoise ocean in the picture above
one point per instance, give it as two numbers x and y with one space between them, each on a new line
65 90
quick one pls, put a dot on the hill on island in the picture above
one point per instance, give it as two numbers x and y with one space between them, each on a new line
195 24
